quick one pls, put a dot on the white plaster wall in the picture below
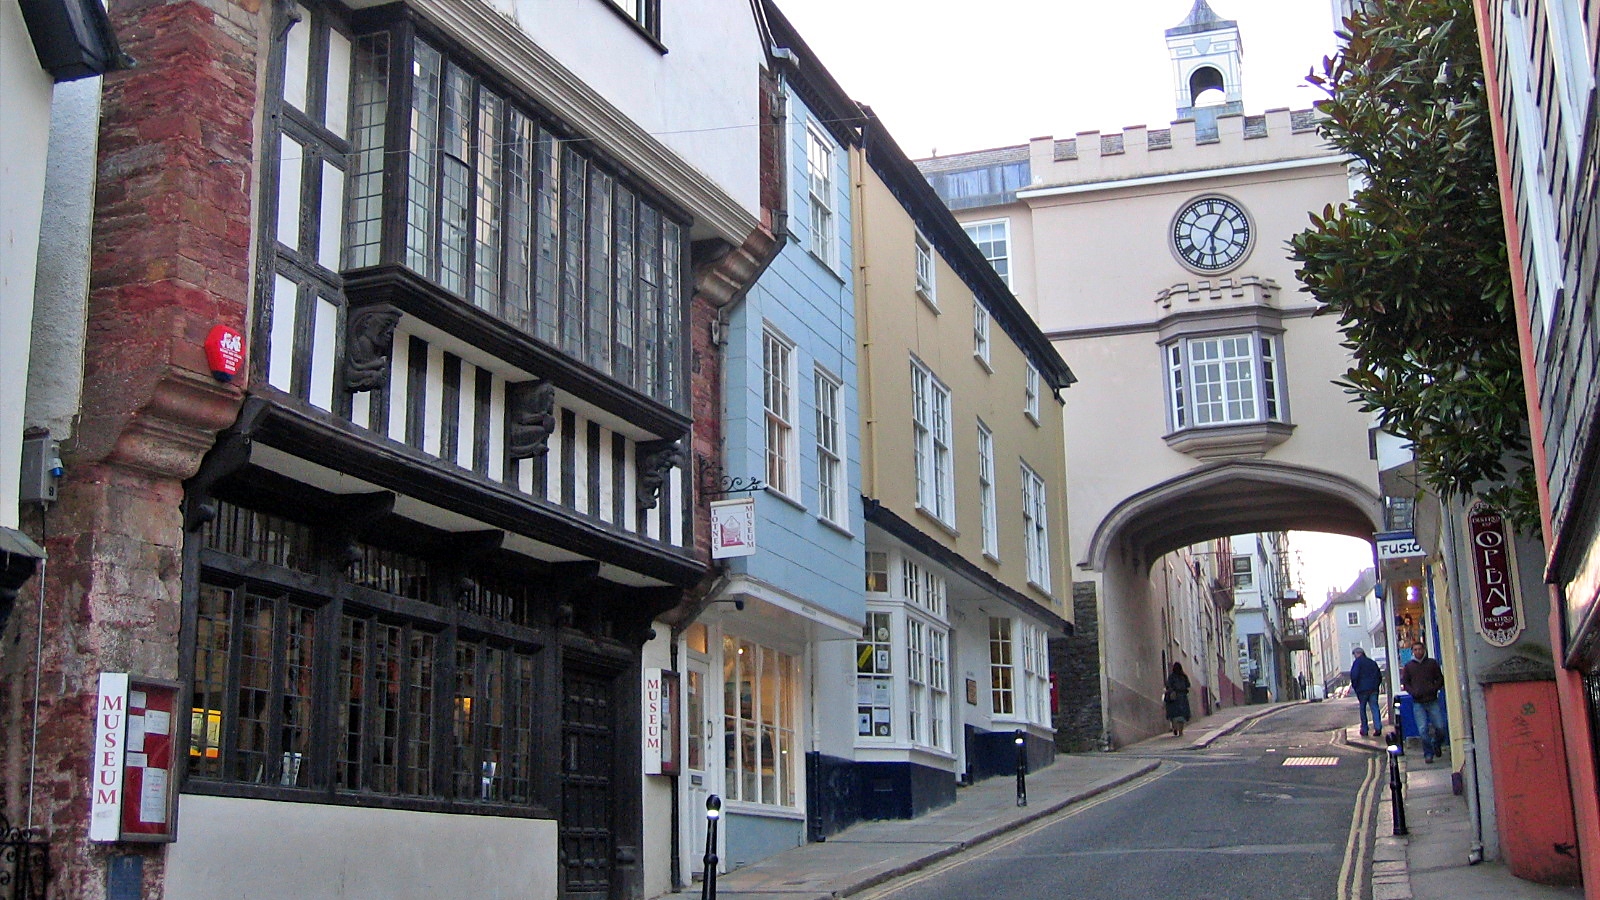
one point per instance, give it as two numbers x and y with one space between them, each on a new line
25 92
657 800
261 849
55 370
699 98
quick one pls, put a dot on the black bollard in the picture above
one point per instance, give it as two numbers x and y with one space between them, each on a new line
708 885
1022 769
1397 800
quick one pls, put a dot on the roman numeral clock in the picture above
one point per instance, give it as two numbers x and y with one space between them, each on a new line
1211 234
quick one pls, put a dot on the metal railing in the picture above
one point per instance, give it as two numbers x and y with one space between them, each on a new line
24 863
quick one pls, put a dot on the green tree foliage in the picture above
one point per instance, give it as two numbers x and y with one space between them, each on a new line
1415 265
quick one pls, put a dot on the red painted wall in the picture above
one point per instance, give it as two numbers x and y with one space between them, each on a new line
1538 837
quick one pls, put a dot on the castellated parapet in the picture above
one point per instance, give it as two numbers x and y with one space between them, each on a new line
1093 157
1139 151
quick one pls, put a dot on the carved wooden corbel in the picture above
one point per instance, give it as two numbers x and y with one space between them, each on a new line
368 346
228 455
655 459
530 418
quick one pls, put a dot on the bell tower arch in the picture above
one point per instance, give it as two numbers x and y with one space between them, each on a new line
1207 68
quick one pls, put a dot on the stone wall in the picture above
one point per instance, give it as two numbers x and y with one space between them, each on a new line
1075 665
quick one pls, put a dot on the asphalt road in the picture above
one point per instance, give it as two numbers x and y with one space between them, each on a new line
1268 813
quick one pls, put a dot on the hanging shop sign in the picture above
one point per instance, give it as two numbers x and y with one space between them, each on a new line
1499 606
131 798
1397 545
733 528
660 722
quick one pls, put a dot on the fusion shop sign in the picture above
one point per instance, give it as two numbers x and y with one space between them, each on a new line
1498 605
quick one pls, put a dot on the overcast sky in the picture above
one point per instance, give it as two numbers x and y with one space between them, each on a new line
957 75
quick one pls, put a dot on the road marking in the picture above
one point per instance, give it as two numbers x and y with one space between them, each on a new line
1311 761
1357 846
969 855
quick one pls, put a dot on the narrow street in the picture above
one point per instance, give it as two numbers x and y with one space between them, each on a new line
1271 811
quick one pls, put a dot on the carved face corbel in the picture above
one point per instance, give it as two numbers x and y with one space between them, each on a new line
530 418
368 345
655 460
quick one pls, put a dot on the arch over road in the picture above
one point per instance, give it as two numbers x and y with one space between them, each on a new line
1233 497
1215 500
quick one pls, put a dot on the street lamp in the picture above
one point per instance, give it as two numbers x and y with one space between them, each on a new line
1022 768
708 885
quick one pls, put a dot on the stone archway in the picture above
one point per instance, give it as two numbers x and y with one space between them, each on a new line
1215 500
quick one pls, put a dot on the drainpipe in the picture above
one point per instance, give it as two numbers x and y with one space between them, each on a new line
1469 764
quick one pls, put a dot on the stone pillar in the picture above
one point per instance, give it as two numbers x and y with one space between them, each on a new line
171 257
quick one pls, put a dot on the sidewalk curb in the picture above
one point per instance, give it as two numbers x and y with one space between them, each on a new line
982 838
1202 743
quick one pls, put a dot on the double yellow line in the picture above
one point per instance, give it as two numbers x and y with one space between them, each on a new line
1358 846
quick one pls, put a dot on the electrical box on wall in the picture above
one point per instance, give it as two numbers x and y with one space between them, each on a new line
41 468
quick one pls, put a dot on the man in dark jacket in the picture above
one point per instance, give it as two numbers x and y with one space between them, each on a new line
1365 680
1423 680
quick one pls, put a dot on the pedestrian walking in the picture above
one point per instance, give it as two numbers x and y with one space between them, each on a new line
1177 699
1365 680
1423 680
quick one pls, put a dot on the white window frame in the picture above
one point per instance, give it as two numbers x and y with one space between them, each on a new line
1569 52
820 190
988 515
1030 394
1352 617
1035 681
980 333
933 449
875 676
780 737
1540 234
1036 528
1244 576
927 275
1002 669
1214 385
996 252
831 499
782 444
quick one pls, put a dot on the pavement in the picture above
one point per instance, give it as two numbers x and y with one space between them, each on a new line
1430 863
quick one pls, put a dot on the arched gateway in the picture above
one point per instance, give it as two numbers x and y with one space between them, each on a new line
1206 406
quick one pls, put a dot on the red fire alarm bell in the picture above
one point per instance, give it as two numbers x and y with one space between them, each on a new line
224 352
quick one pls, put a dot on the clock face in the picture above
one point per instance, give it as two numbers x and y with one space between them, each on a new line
1211 234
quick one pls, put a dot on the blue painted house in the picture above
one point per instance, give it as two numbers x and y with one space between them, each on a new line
767 668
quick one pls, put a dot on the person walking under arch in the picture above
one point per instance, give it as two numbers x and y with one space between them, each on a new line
1365 680
1177 699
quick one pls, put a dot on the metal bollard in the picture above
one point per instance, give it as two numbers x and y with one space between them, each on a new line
1022 769
1397 801
708 885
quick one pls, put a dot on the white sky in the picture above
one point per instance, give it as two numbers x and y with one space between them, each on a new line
1326 562
958 75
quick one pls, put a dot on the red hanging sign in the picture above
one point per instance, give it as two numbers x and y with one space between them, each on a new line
1499 608
224 352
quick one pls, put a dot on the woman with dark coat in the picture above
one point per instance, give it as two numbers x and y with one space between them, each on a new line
1177 699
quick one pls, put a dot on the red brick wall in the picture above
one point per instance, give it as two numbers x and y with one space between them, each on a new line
170 259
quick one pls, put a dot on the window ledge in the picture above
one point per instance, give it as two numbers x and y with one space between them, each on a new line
832 268
944 526
983 362
1032 417
1248 441
774 492
835 526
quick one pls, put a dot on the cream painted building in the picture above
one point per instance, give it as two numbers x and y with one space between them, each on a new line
1155 259
963 474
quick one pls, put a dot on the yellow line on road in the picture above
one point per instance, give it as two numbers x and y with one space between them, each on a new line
1356 848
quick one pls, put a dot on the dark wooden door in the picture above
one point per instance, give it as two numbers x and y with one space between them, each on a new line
588 737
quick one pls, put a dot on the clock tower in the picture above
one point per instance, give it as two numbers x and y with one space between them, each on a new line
1207 68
